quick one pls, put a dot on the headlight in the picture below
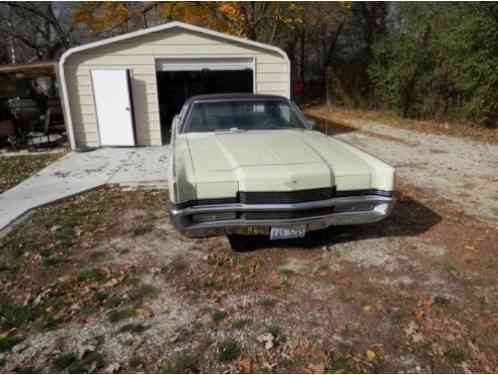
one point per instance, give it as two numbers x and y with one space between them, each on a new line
383 208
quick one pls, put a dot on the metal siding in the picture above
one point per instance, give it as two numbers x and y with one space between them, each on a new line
138 55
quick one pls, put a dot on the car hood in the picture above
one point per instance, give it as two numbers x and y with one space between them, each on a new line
275 160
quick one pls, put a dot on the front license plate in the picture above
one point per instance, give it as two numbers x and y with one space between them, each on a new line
284 233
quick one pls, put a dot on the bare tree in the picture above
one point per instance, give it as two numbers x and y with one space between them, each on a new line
37 30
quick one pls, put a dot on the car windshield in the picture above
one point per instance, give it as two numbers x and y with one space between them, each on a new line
243 115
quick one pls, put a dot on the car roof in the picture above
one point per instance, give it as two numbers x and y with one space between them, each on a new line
231 96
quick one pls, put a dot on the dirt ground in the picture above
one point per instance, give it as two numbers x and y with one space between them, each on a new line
102 282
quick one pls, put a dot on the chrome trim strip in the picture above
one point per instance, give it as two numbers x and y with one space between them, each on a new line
278 207
239 199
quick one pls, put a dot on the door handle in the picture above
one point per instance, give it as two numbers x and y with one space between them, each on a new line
127 108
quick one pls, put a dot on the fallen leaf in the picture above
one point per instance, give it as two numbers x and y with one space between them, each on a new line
112 282
410 330
367 308
371 355
112 368
417 337
316 368
245 365
144 313
267 339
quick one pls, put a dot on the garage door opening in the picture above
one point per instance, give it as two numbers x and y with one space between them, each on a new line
179 79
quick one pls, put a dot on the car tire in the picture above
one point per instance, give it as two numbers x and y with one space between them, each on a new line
239 243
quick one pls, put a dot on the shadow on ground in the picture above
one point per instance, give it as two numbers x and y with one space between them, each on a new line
330 127
409 218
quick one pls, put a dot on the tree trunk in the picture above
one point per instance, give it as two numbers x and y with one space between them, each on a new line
10 38
303 58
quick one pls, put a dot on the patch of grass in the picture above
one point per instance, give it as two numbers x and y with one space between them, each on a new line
449 269
176 266
91 274
286 271
46 252
130 280
240 323
88 310
142 229
97 255
16 316
53 260
274 330
8 342
144 291
340 366
56 302
345 296
50 322
228 350
199 284
134 327
183 363
64 235
298 361
267 302
119 315
28 370
64 360
218 315
114 301
12 267
455 355
70 362
136 362
441 301
100 296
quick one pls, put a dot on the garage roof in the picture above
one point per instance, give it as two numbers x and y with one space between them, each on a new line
166 26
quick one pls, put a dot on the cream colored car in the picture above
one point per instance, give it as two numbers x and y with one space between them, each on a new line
252 164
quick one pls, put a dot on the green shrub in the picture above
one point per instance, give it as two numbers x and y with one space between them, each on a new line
442 62
228 350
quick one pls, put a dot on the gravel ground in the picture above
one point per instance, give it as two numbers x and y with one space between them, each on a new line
460 170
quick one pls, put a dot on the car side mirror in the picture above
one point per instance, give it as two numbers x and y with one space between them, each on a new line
310 124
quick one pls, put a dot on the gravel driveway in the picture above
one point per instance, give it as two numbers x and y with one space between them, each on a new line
460 170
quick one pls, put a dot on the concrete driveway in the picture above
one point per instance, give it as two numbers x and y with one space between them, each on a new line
78 172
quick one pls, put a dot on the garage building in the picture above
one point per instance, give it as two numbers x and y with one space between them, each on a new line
125 90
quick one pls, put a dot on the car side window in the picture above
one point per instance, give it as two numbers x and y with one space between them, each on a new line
285 112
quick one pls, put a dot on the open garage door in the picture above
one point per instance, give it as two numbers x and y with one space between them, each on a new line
179 79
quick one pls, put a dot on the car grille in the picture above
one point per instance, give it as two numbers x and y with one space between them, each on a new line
286 197
282 215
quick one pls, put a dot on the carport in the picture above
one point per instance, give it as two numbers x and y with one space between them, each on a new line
125 90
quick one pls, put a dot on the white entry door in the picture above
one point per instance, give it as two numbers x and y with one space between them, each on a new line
111 89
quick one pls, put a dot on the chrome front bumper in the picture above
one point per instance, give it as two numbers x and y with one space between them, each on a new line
345 215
